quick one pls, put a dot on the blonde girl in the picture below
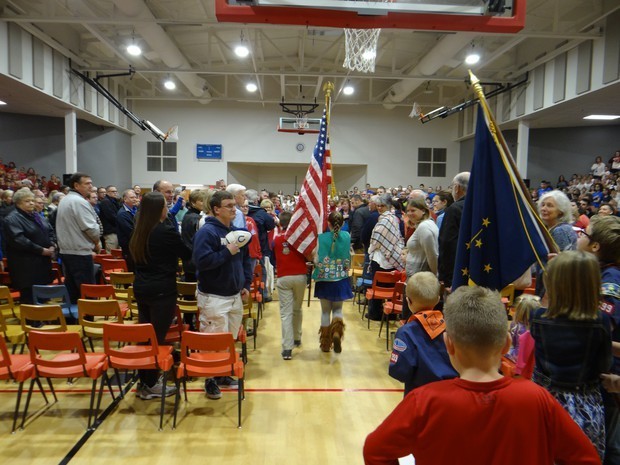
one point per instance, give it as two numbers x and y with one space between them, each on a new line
573 341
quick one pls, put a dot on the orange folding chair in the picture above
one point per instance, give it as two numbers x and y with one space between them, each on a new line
207 355
103 292
116 253
257 289
62 355
392 307
382 287
111 265
17 368
143 354
176 328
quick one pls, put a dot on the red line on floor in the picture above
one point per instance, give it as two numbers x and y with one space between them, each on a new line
267 390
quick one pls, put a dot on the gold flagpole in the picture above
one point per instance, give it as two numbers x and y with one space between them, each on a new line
502 146
328 88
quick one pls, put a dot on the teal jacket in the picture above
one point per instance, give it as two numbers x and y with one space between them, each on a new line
333 264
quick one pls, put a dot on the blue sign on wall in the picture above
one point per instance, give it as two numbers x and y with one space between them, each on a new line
208 152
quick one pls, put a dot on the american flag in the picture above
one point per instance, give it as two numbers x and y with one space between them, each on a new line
309 218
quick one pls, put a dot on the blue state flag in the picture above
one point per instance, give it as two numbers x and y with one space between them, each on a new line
500 234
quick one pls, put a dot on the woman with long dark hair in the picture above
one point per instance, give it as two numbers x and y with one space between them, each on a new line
156 247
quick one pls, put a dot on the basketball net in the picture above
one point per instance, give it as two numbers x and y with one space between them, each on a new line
361 48
301 122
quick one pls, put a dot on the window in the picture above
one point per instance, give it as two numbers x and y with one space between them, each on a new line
161 156
432 162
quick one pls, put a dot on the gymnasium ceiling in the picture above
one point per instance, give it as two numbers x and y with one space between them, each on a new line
183 40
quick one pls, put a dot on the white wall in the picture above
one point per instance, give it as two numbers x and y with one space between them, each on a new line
386 141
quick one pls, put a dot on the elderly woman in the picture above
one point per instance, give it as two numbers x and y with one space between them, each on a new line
29 245
386 247
555 212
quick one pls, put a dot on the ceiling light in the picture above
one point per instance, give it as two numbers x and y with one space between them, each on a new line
251 87
2 103
134 50
472 58
242 51
428 89
170 84
602 117
369 54
348 90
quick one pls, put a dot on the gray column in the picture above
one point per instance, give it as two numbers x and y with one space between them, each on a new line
70 142
523 141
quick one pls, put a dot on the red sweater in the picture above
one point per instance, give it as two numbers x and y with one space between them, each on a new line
291 263
457 422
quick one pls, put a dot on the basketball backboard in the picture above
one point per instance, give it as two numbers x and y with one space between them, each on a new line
440 15
300 126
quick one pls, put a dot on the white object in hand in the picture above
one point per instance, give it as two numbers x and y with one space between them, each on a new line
239 238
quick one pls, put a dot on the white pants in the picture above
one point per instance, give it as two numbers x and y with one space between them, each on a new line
291 291
219 314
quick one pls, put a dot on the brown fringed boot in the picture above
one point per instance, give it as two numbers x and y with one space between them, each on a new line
337 334
325 338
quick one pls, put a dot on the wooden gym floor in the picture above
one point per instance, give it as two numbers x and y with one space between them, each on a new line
313 410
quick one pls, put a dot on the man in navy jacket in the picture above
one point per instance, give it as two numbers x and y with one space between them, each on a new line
224 277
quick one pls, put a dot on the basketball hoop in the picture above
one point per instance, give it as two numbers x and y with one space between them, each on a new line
416 111
361 48
301 122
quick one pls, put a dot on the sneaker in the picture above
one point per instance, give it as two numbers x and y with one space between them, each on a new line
297 342
212 390
287 354
155 392
227 382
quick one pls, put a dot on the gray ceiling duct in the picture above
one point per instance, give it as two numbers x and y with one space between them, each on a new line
155 36
441 53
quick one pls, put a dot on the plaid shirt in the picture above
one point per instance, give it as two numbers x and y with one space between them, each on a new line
386 243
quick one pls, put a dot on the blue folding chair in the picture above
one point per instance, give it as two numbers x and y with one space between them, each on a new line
55 294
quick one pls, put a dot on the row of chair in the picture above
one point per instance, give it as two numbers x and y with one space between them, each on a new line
390 287
126 347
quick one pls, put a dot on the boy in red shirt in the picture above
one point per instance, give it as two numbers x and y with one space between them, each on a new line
291 266
481 417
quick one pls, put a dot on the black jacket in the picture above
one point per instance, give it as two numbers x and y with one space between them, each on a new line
124 228
189 227
25 241
356 224
369 225
108 209
448 237
265 223
159 274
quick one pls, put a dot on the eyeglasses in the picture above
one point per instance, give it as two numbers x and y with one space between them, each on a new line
582 232
230 206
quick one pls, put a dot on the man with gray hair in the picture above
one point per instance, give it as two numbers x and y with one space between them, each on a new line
238 192
449 232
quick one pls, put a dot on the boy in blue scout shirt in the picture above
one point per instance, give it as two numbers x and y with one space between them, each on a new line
419 354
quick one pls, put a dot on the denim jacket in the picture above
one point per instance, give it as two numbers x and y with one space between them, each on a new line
570 354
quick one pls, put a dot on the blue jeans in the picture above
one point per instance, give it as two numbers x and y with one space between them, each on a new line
78 270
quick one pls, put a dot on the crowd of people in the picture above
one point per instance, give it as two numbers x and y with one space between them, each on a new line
562 336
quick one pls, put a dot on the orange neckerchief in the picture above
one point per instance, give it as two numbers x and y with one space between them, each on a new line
431 320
